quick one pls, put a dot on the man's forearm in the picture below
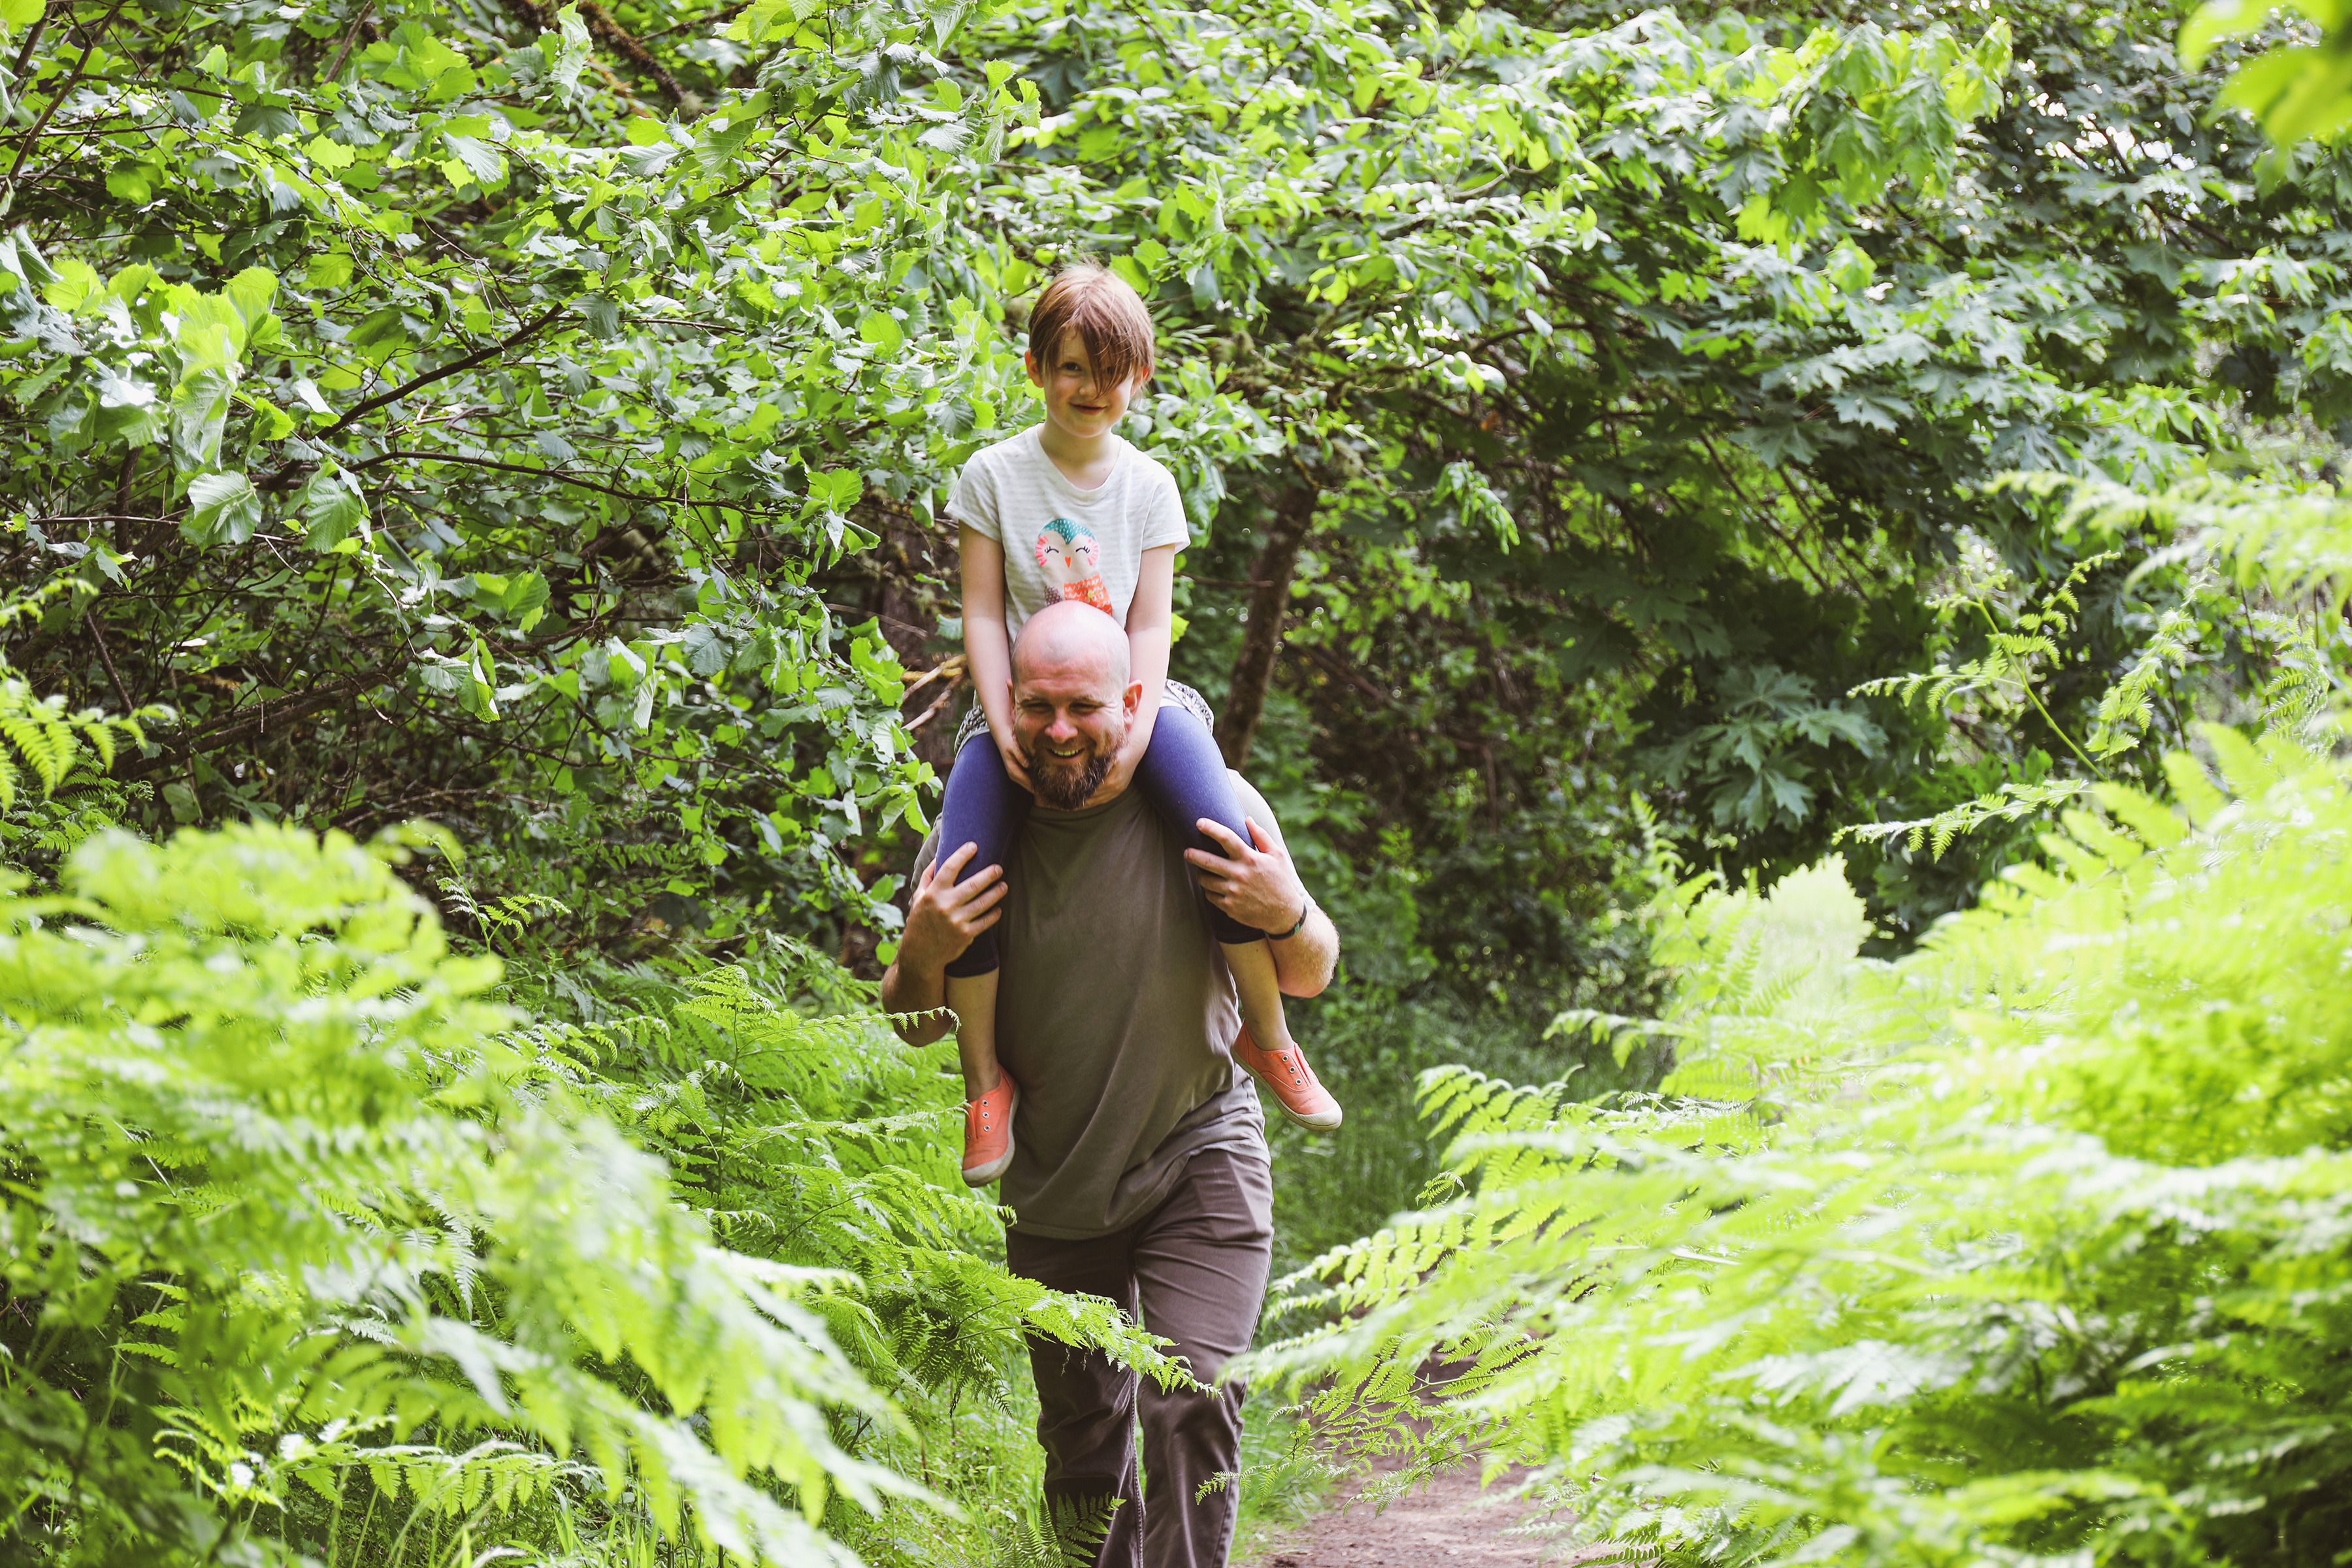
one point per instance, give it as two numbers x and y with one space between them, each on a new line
917 1003
1304 963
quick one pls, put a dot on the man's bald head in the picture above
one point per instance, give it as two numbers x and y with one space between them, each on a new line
1072 702
1071 638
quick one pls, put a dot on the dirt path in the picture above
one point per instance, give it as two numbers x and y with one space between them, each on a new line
1449 1521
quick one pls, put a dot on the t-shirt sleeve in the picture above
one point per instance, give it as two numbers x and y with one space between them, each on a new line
973 501
1163 510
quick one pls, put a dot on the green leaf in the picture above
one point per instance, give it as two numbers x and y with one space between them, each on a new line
252 291
384 328
483 161
836 491
223 508
75 282
332 510
133 181
882 330
567 50
200 405
525 595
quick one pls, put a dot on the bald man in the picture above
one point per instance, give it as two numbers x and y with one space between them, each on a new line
1139 1167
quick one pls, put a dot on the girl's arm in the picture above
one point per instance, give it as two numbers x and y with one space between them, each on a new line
1150 618
988 654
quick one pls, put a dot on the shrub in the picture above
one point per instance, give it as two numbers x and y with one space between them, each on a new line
2033 1245
312 1249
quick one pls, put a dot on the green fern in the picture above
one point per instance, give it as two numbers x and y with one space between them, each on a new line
340 1250
2029 1245
2201 546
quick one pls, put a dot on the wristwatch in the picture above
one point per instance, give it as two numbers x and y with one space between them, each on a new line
1295 926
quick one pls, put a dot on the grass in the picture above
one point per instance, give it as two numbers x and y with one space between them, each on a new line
1286 1478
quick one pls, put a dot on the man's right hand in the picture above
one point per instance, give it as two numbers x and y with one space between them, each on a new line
949 910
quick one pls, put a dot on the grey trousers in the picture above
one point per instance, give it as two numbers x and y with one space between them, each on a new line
1193 1270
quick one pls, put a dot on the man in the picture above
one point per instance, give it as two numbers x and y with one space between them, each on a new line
1140 1170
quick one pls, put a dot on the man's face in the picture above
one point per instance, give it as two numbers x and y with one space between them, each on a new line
1069 720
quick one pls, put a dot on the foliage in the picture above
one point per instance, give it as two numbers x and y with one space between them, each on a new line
1719 444
534 418
441 429
1974 1254
301 1225
2295 91
2027 1245
2228 603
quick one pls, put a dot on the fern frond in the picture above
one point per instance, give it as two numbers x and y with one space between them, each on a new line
2000 1251
2011 802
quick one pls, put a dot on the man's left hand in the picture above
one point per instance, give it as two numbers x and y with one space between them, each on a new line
1254 883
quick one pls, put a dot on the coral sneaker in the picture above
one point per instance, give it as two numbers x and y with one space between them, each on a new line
988 1133
1303 1098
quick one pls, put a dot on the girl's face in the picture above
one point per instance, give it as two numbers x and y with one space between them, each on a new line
1079 404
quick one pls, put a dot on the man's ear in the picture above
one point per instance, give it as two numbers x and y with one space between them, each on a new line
1131 699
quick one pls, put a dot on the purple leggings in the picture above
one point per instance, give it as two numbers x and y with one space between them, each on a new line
1182 774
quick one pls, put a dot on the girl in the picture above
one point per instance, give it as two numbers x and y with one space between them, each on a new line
1067 509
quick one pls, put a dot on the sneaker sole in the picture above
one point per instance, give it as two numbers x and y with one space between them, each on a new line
1323 1121
981 1175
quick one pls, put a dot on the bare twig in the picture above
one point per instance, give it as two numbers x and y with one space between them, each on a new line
928 714
98 640
950 667
455 367
24 146
344 48
557 474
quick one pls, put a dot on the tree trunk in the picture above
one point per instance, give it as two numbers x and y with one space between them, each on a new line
1294 511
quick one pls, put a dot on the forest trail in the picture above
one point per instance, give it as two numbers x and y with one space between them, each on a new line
1450 1522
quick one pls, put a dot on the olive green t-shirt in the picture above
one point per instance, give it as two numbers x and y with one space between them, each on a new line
1115 1015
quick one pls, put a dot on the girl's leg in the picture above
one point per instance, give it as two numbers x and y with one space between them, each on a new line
1184 777
984 807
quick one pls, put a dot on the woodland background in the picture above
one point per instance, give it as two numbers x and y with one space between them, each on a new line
1635 458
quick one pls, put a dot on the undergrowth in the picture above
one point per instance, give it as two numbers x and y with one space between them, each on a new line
320 1248
2035 1245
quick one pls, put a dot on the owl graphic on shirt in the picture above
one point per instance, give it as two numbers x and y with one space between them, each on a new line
1070 557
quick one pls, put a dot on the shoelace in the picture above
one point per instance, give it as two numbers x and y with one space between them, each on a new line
1291 1066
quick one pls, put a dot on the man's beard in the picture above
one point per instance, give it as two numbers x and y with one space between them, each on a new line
1061 788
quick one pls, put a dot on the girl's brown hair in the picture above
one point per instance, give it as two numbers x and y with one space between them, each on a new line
1107 316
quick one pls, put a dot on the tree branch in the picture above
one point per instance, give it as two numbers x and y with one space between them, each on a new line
1294 513
455 367
259 719
557 474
